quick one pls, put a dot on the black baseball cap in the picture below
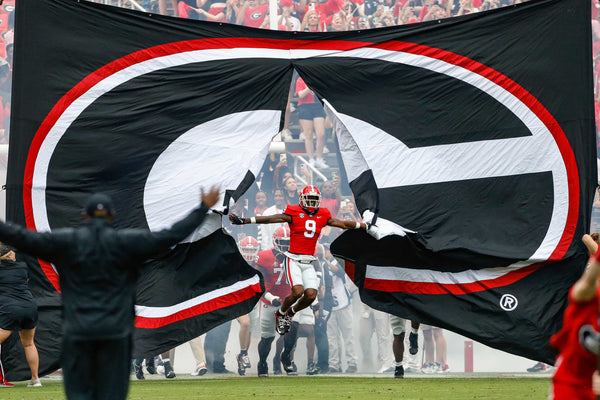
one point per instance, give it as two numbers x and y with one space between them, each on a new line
97 202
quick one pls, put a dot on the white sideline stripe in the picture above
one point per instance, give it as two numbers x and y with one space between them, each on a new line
160 312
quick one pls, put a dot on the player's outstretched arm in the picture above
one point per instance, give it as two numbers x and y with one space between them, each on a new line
338 223
585 288
590 244
263 219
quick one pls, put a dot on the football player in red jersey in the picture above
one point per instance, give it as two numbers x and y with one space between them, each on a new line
248 246
305 221
575 365
271 264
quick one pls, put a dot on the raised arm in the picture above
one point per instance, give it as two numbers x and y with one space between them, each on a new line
585 288
590 243
338 223
44 245
263 219
156 242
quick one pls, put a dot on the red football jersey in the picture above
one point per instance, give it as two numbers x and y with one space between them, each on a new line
305 229
274 273
575 365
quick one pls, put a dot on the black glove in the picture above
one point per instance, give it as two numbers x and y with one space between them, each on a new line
236 220
276 302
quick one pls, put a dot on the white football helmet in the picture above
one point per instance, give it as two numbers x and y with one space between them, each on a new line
249 248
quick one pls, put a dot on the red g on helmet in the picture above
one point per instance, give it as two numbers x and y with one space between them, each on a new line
310 198
281 239
249 248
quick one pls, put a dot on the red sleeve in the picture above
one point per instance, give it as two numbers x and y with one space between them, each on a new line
331 7
423 12
300 85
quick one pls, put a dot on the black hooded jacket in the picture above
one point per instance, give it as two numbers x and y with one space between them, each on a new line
98 267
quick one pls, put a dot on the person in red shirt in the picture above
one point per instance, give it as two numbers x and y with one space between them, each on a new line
305 221
252 14
575 365
271 264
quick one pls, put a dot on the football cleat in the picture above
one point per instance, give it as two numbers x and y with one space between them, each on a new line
169 373
282 323
539 367
312 369
35 383
240 363
263 369
139 372
200 370
150 366
399 372
287 364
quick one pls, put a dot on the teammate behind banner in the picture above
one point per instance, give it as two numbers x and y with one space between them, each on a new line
248 247
306 221
575 365
271 264
99 267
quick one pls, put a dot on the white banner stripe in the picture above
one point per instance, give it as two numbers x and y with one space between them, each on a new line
444 278
161 312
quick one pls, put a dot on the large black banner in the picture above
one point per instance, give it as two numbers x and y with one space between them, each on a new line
474 134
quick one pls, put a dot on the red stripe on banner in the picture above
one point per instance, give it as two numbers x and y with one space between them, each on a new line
50 274
386 285
206 307
350 269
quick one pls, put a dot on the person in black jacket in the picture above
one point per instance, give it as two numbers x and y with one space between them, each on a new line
98 267
18 310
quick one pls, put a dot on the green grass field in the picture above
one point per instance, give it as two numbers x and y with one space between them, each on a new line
301 387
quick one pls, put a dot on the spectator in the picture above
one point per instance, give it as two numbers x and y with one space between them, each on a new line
18 311
271 265
98 268
190 9
323 312
252 14
197 346
339 328
217 11
215 344
291 191
331 198
363 23
162 7
434 346
312 118
291 21
249 248
375 323
311 23
267 231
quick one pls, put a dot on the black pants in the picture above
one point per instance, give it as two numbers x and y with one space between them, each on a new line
322 344
215 343
96 369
